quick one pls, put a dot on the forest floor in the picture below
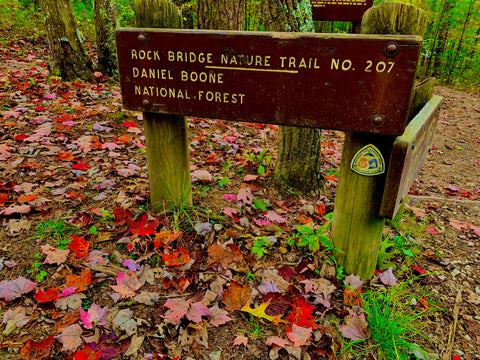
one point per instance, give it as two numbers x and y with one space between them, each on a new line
109 278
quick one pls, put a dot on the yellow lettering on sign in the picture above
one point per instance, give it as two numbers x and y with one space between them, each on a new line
203 77
142 55
162 74
220 97
190 57
245 60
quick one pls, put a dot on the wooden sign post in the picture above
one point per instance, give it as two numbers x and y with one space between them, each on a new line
166 135
361 84
357 224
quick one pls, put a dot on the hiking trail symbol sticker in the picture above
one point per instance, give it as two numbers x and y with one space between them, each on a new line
368 161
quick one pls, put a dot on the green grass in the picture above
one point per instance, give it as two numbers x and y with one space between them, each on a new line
56 230
396 326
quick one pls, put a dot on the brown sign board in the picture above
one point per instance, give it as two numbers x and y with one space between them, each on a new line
357 83
339 10
408 155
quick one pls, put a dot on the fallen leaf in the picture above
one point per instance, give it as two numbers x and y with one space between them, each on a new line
73 302
126 285
13 289
196 311
432 230
122 216
388 278
17 315
273 216
33 350
16 209
277 341
79 246
176 257
219 316
178 308
245 195
352 297
355 327
70 337
260 312
201 175
135 344
299 335
143 226
147 298
240 340
87 353
302 314
124 321
54 256
353 281
236 296
94 315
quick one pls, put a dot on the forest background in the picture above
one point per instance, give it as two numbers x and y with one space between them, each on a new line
451 50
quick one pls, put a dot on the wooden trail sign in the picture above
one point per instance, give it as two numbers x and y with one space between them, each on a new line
339 10
358 83
408 155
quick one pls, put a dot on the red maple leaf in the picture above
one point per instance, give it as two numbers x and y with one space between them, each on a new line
164 238
302 314
81 166
37 350
122 216
321 209
87 353
79 246
81 281
129 124
73 284
46 296
142 226
176 257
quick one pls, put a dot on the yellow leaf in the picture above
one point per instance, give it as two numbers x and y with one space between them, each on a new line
260 312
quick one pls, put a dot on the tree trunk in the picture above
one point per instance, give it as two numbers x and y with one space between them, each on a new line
299 149
440 38
220 14
68 58
454 62
106 15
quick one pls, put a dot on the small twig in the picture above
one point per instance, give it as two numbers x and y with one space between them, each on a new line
174 296
451 336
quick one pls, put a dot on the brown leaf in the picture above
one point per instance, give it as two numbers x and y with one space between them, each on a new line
236 296
70 318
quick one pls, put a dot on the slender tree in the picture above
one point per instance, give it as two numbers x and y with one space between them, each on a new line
467 18
299 149
106 15
68 58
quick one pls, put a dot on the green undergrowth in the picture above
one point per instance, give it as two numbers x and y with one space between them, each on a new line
399 320
57 231
17 18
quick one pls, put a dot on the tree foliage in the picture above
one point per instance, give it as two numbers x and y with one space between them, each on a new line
451 49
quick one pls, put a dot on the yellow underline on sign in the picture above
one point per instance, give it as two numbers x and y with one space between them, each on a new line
252 69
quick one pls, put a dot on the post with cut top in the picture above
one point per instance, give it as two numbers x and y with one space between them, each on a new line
357 225
166 135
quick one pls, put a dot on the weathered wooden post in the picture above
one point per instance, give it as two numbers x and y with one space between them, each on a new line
357 225
166 136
